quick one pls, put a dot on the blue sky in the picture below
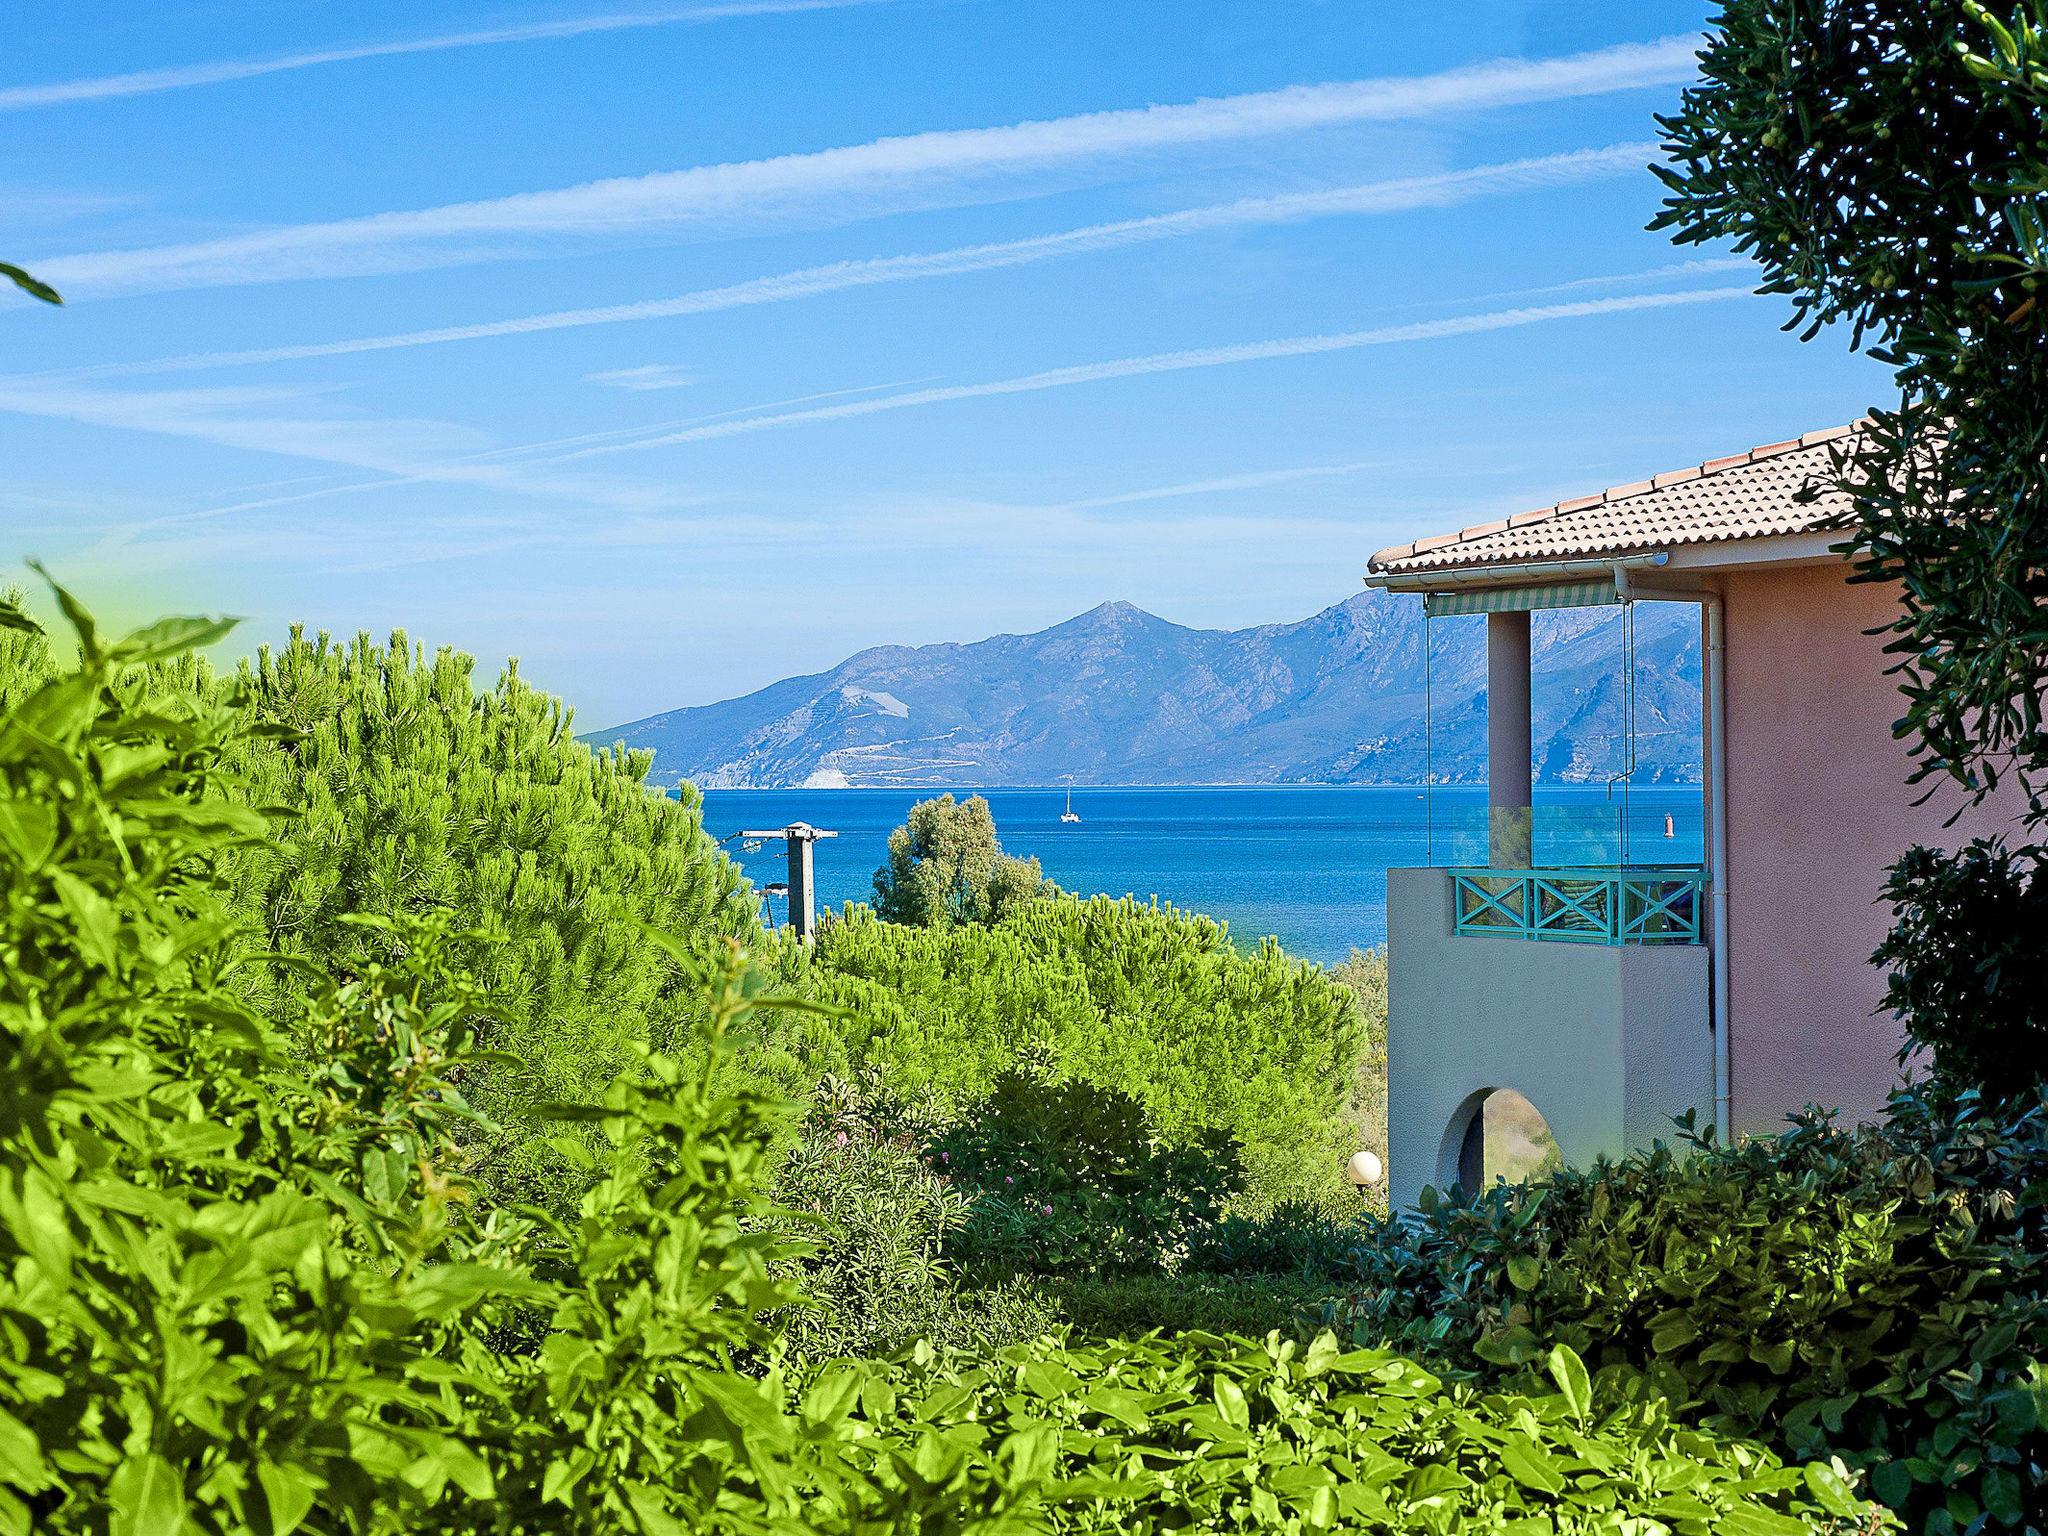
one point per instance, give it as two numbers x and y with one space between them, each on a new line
679 349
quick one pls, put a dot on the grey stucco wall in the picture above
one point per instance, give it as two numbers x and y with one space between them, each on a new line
1608 1042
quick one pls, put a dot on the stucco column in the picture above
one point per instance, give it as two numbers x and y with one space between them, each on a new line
1508 751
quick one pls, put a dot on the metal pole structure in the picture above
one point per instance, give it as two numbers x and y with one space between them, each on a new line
797 838
1509 778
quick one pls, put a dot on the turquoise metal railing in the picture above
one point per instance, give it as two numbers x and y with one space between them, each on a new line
1662 905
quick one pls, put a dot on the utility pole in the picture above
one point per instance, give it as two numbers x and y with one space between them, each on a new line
797 837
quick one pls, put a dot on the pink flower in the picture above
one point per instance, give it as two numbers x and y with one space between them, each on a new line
1008 1180
840 1138
1045 1210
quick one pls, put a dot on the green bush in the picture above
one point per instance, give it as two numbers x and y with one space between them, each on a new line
1063 1177
878 1219
238 1296
1968 966
1290 1239
1248 1305
1207 1433
1144 999
1873 1294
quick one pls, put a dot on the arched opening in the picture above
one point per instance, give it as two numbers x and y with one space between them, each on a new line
1497 1134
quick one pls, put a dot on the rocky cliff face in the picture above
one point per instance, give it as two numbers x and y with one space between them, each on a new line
1119 695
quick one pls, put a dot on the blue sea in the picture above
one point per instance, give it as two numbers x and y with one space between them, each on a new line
1305 865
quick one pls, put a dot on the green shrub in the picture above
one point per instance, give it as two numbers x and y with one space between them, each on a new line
1063 1177
1872 1293
1207 1433
1968 966
236 1296
1128 996
879 1219
1248 1305
1290 1239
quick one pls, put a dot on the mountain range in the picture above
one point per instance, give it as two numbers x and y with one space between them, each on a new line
1121 696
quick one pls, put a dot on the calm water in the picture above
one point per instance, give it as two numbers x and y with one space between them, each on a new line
1305 865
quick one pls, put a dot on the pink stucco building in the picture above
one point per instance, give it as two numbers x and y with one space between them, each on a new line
1615 998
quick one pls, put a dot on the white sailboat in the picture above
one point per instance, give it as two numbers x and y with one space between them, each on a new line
1068 813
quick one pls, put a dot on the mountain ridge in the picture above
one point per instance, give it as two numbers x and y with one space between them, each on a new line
1120 695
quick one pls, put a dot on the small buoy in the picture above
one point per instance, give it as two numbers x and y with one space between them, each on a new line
1669 830
1364 1169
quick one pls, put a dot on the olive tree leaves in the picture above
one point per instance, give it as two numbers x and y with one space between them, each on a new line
34 287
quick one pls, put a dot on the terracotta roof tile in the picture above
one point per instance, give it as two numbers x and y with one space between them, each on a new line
1749 495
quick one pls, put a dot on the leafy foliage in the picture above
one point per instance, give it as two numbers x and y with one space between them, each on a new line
946 867
1289 1239
1063 1177
237 1297
1968 966
1874 1294
1187 1301
1207 1433
1124 995
1883 160
33 286
414 790
875 1282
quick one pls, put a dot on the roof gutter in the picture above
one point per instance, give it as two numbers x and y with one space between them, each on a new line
1527 574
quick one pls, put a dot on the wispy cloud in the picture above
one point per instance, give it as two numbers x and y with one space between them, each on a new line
1392 196
1255 480
834 185
148 82
646 376
284 421
447 470
1177 362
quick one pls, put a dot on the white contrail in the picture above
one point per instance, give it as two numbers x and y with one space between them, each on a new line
443 470
148 82
1394 196
1253 481
1176 362
264 421
885 175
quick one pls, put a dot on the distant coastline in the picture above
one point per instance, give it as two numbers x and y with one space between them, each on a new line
1305 864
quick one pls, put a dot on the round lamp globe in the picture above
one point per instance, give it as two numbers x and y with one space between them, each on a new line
1365 1169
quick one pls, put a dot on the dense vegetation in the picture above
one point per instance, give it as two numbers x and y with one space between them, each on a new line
1874 1294
245 1290
405 789
409 789
1123 995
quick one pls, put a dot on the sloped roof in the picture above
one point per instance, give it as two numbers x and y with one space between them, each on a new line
1749 495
